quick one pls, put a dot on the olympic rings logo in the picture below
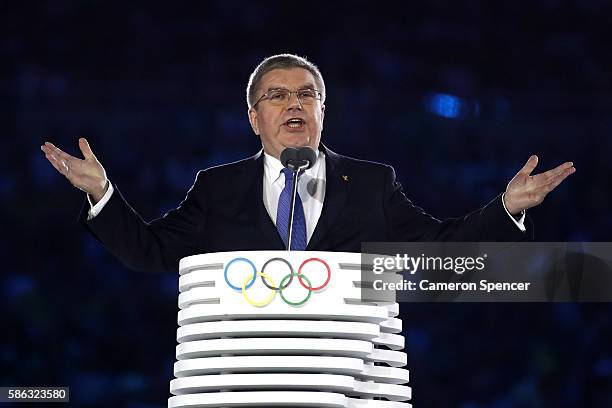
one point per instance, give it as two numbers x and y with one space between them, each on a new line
270 284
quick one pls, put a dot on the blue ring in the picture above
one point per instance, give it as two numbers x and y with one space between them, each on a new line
236 260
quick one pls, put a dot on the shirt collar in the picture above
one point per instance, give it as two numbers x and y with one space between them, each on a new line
273 167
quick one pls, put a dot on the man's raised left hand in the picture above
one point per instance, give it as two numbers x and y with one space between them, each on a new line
525 191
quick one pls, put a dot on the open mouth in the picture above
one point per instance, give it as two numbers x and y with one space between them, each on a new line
295 124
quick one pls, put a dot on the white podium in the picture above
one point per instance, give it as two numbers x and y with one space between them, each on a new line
293 329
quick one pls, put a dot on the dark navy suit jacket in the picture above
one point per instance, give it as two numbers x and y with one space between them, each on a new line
224 211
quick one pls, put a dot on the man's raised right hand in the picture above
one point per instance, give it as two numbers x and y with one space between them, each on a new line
85 174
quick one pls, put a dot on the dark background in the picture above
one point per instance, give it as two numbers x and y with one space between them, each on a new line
455 96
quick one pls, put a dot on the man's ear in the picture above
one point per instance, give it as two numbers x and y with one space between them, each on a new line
253 120
322 115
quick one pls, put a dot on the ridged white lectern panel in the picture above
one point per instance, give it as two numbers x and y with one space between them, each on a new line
277 328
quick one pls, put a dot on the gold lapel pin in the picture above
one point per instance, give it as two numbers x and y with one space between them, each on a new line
345 178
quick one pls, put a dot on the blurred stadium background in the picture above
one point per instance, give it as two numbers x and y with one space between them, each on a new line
454 95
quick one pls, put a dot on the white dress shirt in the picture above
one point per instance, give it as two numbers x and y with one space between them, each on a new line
311 187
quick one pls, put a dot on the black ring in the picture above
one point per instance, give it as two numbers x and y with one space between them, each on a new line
263 269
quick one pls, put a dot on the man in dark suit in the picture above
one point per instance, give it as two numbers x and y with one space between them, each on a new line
342 201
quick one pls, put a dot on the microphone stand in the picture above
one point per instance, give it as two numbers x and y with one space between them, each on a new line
296 170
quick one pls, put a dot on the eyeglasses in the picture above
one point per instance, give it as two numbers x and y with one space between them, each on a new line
281 96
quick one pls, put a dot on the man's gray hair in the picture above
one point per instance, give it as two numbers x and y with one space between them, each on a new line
281 61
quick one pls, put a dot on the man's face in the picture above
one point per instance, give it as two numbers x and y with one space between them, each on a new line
269 121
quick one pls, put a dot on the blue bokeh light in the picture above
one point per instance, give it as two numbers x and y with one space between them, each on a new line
445 105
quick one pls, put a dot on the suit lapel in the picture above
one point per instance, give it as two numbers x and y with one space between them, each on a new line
337 186
258 210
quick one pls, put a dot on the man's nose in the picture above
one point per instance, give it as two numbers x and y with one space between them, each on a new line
294 103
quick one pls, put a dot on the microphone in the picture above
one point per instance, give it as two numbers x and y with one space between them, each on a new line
296 159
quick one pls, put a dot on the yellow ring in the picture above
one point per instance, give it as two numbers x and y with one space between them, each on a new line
261 303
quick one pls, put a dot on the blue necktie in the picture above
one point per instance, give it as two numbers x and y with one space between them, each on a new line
298 235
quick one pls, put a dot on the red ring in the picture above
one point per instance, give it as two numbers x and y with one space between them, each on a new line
299 274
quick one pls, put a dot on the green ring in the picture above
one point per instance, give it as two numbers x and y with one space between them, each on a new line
280 290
